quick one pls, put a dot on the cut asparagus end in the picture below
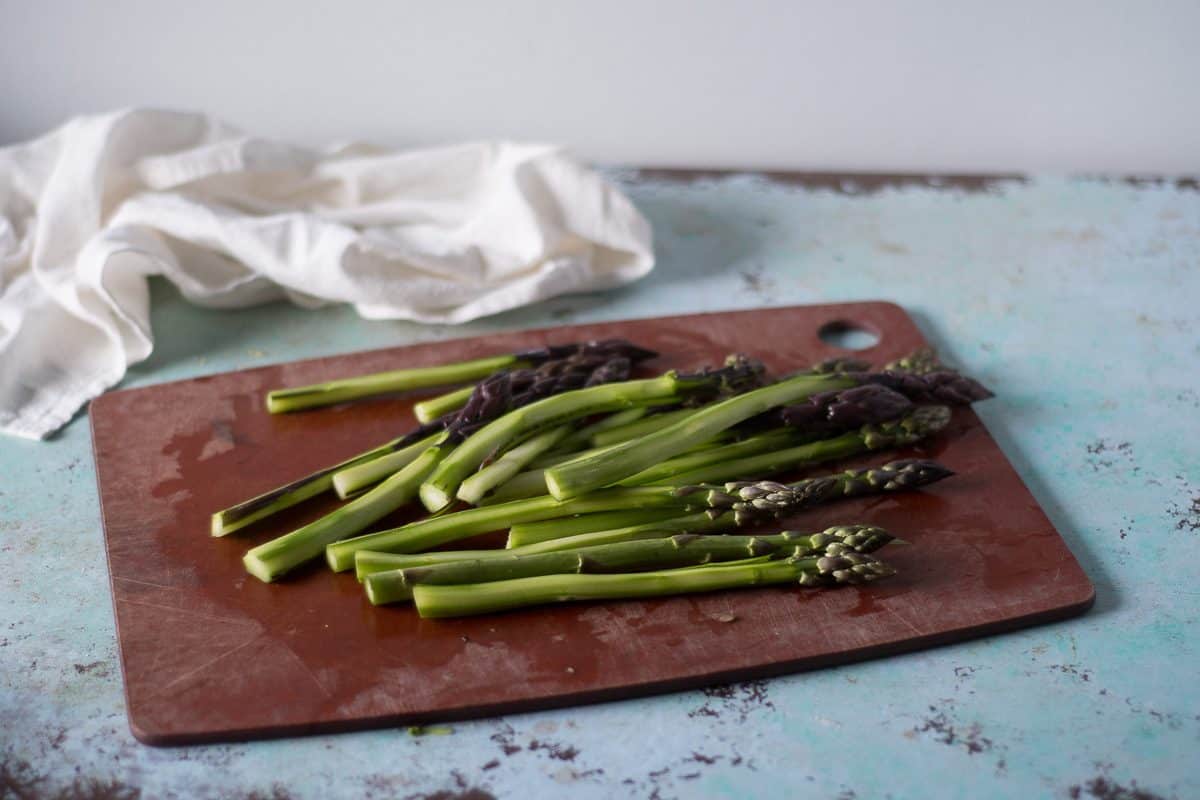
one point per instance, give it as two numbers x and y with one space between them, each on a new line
353 479
428 411
434 497
258 568
383 588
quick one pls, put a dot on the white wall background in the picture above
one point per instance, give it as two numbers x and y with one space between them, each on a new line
1028 85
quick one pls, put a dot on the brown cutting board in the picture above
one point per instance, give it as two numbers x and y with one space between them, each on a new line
211 654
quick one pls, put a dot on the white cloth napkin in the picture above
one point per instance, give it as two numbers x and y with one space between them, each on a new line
441 235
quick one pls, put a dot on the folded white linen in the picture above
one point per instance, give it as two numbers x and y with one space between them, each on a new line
440 235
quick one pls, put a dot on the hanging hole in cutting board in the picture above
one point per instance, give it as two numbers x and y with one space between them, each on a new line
847 335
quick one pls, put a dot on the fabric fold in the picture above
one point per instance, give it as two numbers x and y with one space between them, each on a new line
442 235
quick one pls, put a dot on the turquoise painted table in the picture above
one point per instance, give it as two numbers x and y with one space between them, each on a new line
1076 299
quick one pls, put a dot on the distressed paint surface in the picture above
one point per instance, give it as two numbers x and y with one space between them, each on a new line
1075 299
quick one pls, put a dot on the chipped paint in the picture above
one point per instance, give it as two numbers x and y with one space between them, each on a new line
1075 297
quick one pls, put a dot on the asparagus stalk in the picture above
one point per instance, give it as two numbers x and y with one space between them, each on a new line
356 477
367 562
750 503
272 559
430 410
356 388
686 520
921 423
280 401
236 517
650 554
656 422
753 501
728 506
578 477
821 416
522 486
532 482
664 472
428 533
439 490
435 601
524 533
634 430
593 363
583 475
474 488
583 436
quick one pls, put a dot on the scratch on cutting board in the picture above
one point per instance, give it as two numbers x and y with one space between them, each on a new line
908 624
188 612
142 583
308 671
208 664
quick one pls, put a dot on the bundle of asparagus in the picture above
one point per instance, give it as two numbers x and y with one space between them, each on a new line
610 485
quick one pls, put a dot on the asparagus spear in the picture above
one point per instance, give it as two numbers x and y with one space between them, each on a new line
751 503
661 420
493 397
358 476
429 533
474 488
482 598
272 559
583 475
524 533
921 423
727 507
532 482
367 562
439 490
339 391
236 517
434 531
649 554
522 486
634 430
583 436
821 416
664 472
430 410
328 393
577 477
